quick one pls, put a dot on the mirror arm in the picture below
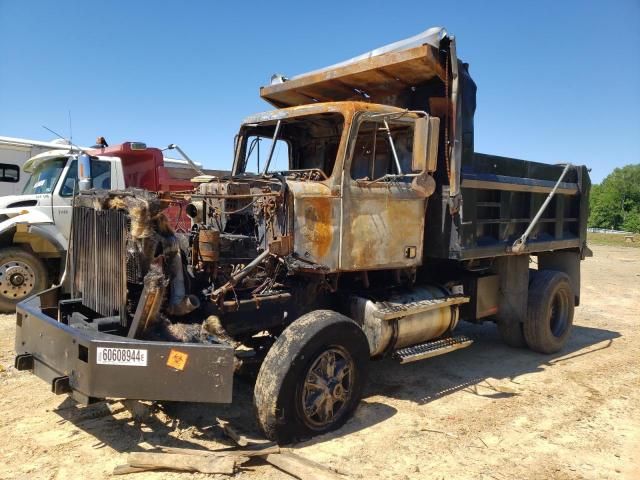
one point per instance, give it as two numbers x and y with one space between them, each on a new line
173 146
393 147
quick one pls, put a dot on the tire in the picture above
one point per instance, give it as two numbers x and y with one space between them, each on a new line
550 311
22 274
512 334
296 371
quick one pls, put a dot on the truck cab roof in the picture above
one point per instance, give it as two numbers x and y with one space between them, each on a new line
31 164
343 107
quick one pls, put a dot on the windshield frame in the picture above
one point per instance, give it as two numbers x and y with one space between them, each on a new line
44 167
249 130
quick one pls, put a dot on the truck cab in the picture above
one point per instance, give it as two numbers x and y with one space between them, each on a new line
356 172
34 226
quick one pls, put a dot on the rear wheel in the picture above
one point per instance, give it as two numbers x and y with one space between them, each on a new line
550 311
22 274
312 377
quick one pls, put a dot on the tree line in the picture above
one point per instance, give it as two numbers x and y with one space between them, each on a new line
615 203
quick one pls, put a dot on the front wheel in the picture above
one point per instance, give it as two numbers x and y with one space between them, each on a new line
312 378
22 274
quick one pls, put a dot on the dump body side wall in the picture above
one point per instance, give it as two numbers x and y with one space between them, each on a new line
500 197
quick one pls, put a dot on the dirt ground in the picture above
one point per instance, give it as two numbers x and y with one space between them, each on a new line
485 412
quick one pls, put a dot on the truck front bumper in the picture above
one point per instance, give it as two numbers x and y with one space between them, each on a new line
92 365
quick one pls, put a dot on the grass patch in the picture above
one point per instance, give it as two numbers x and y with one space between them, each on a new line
612 239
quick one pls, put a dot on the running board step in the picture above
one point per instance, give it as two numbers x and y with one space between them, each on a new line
431 349
392 312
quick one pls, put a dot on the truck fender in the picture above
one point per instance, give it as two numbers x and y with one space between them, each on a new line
51 234
33 223
32 217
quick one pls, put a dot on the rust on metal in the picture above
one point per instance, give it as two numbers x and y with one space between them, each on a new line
379 77
317 223
209 245
317 226
282 246
380 223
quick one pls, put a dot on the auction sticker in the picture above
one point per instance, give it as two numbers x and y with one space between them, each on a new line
134 357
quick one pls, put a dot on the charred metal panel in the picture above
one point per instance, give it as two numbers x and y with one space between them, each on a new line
317 224
224 202
382 226
383 78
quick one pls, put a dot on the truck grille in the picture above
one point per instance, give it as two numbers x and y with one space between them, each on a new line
99 260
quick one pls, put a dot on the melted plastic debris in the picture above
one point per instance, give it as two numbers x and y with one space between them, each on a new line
167 331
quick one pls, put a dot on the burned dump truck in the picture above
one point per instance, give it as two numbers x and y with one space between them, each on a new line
358 223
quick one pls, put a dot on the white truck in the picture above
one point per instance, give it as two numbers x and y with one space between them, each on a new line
14 152
34 225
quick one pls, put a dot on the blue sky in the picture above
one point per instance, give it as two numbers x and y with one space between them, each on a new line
557 80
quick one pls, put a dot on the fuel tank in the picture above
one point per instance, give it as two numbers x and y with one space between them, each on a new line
391 334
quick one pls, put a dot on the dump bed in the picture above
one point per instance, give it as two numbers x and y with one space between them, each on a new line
500 198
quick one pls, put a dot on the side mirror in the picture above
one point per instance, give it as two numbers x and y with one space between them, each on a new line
420 144
432 149
84 172
425 144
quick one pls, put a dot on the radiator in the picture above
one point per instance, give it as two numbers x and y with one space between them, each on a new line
98 255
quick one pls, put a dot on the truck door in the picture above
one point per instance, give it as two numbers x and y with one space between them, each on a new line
101 173
383 217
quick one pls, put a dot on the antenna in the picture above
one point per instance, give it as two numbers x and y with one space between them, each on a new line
73 146
70 129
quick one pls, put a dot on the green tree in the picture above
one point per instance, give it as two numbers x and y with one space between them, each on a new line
615 203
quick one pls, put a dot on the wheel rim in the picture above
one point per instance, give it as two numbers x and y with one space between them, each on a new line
17 279
559 313
327 388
